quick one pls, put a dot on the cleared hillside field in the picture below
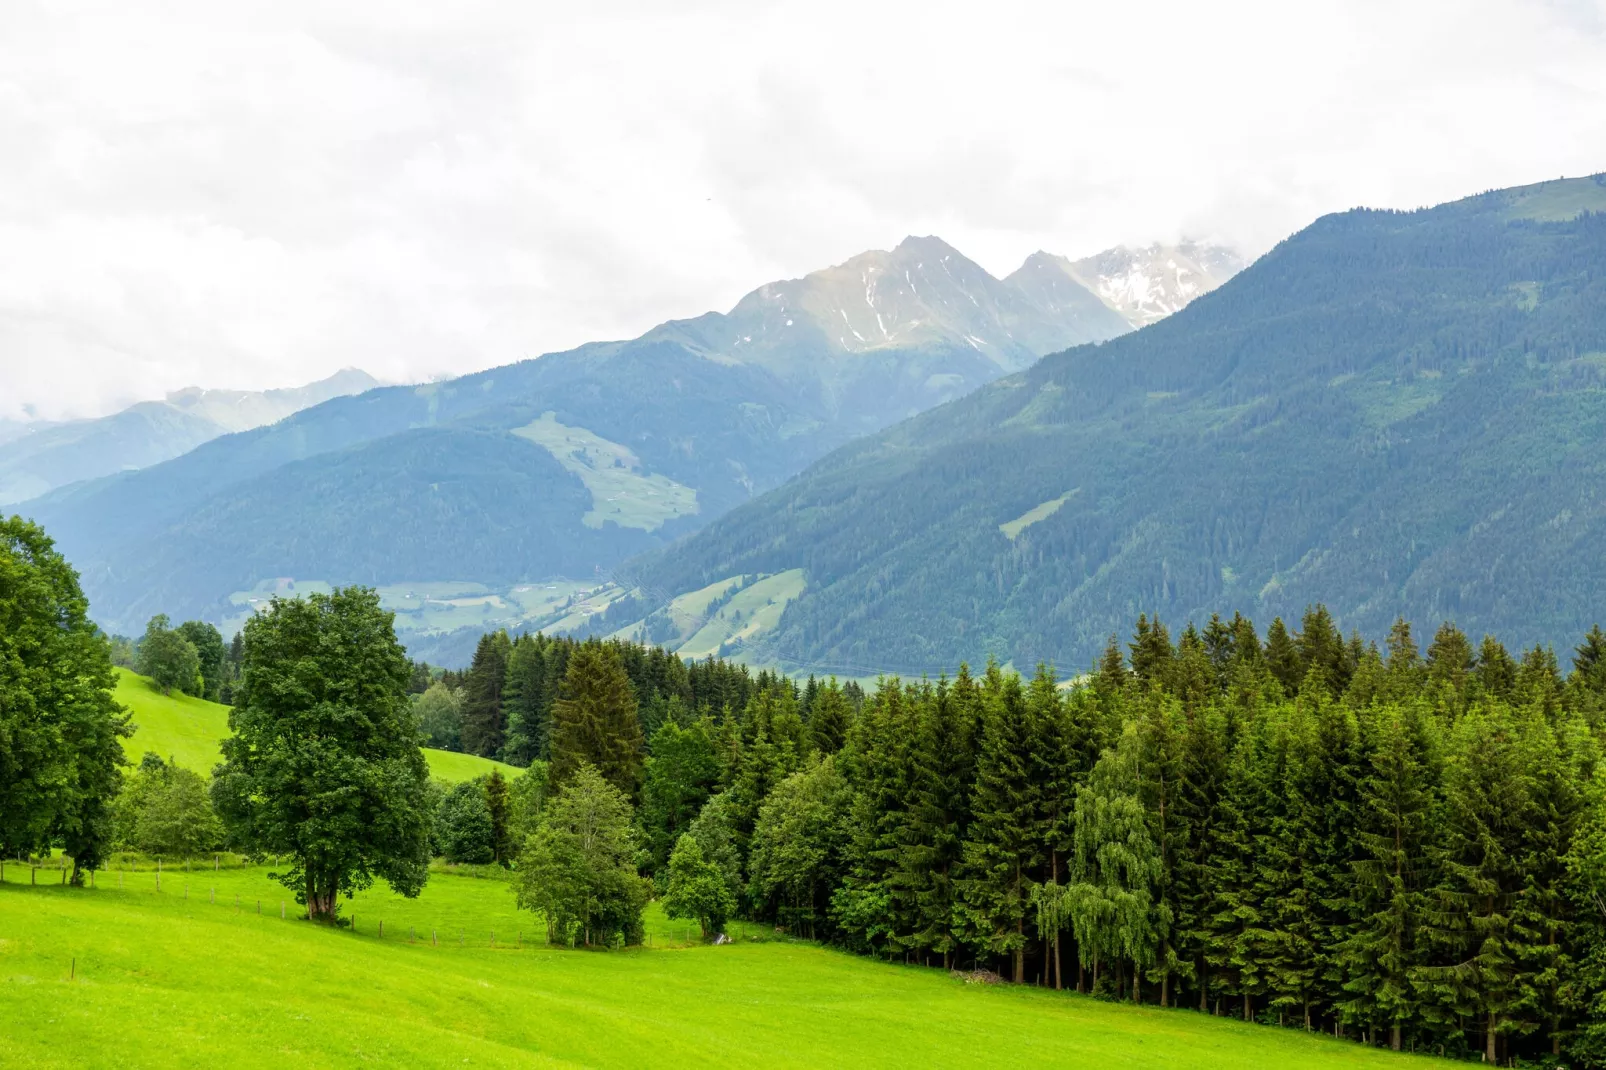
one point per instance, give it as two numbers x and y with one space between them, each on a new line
163 980
188 730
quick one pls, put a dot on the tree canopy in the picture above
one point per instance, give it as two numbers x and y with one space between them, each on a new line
323 764
60 729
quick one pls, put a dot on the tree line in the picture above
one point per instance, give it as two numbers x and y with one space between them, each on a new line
1403 847
1407 848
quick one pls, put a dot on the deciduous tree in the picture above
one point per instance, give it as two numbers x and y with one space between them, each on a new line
323 764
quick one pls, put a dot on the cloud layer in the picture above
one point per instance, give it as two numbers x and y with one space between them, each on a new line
255 195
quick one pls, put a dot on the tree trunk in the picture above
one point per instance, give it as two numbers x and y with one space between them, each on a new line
1020 951
1059 976
1204 986
320 900
1248 1011
1394 1037
1489 1041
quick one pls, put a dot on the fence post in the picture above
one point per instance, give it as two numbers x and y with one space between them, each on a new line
434 940
281 910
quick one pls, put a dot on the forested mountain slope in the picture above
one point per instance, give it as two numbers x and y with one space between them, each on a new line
1392 412
36 457
564 465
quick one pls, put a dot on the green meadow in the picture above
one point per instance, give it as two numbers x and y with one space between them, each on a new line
121 974
188 731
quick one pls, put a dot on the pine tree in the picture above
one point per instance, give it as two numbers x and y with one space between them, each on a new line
943 764
484 722
1282 658
1497 672
1450 665
1235 915
1055 770
1561 760
1394 830
878 903
497 802
1488 794
527 701
1320 645
594 720
830 716
1000 849
1152 652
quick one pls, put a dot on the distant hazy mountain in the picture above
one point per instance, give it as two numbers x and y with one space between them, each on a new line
559 467
37 457
1391 412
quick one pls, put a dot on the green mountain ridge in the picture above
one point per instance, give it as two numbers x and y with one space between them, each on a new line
1391 412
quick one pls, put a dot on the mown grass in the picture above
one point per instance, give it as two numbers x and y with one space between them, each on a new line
187 730
164 980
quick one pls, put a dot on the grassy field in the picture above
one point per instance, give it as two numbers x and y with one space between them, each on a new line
128 976
188 731
620 490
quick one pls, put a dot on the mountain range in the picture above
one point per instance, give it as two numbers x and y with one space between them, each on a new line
37 456
455 497
1393 413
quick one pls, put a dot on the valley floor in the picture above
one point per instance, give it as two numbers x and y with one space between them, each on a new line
128 976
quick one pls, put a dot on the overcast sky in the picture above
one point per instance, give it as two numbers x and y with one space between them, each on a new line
250 195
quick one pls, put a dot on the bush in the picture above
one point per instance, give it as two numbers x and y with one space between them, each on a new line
440 717
165 810
463 825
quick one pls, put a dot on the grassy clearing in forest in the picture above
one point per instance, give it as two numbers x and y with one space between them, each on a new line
188 730
164 980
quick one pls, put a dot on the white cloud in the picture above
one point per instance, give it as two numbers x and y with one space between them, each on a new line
255 195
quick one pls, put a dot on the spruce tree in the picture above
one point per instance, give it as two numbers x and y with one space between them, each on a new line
1282 657
1497 672
527 701
943 764
594 720
878 903
1393 834
1000 849
484 721
1488 790
830 716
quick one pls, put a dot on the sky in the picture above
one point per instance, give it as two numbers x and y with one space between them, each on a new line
251 195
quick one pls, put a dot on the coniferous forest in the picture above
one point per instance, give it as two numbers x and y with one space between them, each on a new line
1399 845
